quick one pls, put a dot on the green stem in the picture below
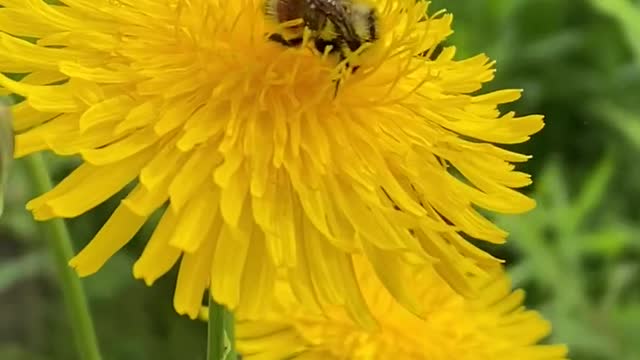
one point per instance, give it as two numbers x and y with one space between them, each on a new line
215 337
220 333
231 334
59 241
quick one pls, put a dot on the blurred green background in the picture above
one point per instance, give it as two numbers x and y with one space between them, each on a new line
577 254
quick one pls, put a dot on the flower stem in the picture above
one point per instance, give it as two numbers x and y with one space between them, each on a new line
220 340
59 240
229 328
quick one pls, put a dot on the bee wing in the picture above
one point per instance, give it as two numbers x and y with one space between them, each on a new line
6 147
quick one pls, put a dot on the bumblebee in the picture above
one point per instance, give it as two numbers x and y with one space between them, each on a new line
336 26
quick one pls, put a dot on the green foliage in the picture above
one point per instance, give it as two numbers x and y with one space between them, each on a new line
579 264
576 254
133 321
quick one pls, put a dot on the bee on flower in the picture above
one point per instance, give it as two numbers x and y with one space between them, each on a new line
277 140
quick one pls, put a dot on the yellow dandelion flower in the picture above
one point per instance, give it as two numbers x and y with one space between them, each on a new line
257 163
493 326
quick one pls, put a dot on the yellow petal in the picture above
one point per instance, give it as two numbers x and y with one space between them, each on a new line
51 98
193 278
116 75
25 116
273 212
197 216
394 281
164 164
198 168
36 139
158 256
87 187
229 261
137 142
232 199
258 280
116 232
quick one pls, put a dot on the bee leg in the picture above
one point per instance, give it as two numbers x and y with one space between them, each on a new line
279 39
346 66
322 44
295 42
353 70
334 46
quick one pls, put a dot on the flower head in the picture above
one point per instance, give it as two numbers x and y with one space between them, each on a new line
493 326
264 167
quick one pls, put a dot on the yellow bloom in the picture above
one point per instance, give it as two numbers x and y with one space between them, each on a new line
493 326
263 167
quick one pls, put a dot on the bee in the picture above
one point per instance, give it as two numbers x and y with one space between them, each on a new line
336 26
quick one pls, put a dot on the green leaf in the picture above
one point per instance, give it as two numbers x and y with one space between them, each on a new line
112 279
19 269
592 192
625 121
16 352
628 16
608 242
